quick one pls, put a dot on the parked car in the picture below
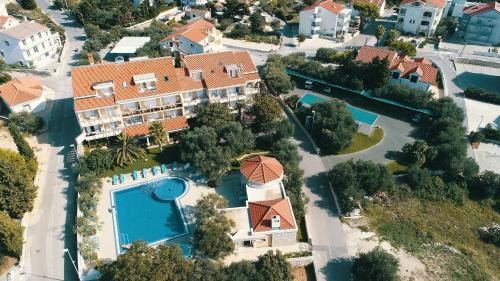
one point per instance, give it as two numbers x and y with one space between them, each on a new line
417 118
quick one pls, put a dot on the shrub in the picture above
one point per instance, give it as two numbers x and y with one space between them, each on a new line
97 161
11 236
413 97
27 122
292 101
329 55
490 234
376 265
427 186
482 95
22 145
491 133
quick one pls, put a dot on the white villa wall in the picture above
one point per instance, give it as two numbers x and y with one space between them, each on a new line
329 24
413 16
408 83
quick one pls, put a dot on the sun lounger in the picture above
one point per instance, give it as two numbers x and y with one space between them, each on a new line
163 168
144 173
174 166
122 178
187 166
114 179
135 175
155 170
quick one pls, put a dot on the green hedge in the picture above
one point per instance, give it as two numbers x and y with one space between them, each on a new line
22 145
482 95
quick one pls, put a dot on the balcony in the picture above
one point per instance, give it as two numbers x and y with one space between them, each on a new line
316 18
104 133
99 120
315 28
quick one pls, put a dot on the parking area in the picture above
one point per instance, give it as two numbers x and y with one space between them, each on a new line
398 130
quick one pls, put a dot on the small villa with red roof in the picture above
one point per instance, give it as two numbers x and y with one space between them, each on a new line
415 73
267 219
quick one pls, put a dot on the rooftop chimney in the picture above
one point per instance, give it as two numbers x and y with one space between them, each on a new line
275 222
90 58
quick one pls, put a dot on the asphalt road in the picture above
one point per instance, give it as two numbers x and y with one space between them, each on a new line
49 229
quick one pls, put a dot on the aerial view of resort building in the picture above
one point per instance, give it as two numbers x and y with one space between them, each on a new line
221 140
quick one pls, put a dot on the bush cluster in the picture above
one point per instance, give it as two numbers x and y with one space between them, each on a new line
27 122
412 97
482 95
330 55
491 133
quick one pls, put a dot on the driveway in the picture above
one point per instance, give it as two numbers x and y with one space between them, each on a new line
49 227
398 131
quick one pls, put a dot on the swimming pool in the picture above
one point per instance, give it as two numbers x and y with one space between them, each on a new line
359 115
149 211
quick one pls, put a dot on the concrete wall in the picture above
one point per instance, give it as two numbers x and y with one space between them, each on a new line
414 16
284 238
33 106
408 83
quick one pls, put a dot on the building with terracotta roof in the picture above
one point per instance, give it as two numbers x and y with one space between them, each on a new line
379 3
420 17
480 24
7 22
29 44
192 13
415 73
197 37
267 218
115 97
23 94
326 19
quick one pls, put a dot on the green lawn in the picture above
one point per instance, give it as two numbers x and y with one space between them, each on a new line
361 141
415 224
153 157
395 167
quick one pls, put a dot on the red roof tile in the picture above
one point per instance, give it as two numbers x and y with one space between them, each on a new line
21 90
482 8
195 31
367 53
261 169
427 73
170 125
435 3
261 213
329 5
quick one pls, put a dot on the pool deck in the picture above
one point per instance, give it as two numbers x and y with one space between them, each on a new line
105 234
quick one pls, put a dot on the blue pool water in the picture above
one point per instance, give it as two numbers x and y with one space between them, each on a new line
140 215
359 115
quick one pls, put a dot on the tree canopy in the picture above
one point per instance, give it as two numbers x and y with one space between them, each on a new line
11 236
376 265
17 191
127 149
273 266
158 133
273 73
257 22
214 115
266 110
27 122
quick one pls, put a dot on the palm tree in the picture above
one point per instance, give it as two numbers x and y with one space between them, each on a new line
127 150
157 132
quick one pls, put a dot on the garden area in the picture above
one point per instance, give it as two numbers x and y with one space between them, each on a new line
361 141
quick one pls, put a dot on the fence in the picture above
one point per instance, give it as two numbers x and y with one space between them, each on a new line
301 261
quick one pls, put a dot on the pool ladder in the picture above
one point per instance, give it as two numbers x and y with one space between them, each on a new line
148 189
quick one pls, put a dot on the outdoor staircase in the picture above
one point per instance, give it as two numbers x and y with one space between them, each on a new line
148 189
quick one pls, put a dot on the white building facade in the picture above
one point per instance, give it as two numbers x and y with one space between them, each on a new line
196 37
29 44
327 19
420 17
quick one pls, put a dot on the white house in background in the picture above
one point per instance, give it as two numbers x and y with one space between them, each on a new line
3 10
379 3
196 37
327 19
416 73
480 24
7 22
267 219
128 46
192 13
420 16
23 94
194 2
29 44
139 2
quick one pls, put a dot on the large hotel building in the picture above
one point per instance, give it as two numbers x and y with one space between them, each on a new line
124 97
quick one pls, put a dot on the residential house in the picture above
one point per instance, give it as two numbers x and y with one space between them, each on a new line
327 19
192 13
267 219
194 2
29 44
420 17
7 22
23 94
480 24
379 3
136 3
197 37
125 97
127 47
3 9
415 73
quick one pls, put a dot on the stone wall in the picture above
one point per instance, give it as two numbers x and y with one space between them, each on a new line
284 238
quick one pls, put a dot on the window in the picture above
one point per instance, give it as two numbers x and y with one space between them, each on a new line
7 43
32 38
40 35
109 111
395 75
424 23
414 78
24 42
35 49
427 14
2 54
412 21
43 45
28 53
402 12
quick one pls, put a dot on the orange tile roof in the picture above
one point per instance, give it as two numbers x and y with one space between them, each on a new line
261 213
329 5
482 8
435 3
423 66
213 76
195 31
5 19
21 90
24 30
261 169
378 3
170 125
